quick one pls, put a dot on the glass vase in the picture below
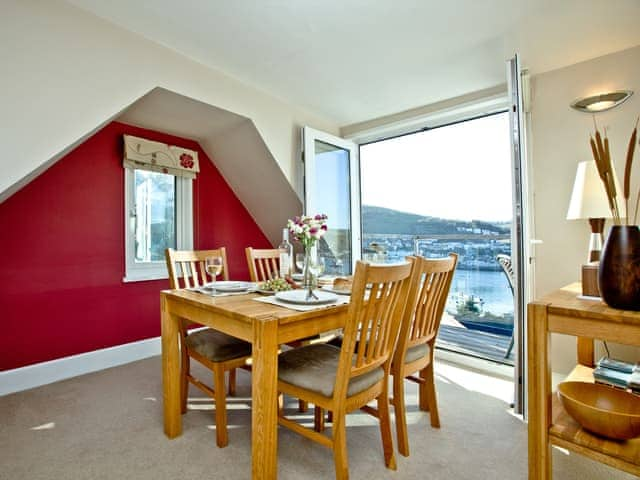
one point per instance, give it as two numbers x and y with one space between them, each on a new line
307 275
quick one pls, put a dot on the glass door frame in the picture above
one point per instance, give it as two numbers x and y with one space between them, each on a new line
309 137
511 101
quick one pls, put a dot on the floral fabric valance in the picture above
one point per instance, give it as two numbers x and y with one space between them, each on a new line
159 157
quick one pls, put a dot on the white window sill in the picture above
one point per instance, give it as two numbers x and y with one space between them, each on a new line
144 277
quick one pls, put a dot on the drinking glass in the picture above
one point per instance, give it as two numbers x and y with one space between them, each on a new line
213 265
300 261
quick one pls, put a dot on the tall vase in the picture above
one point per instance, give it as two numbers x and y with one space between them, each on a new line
307 276
619 275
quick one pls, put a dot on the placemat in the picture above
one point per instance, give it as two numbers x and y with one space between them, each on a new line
341 300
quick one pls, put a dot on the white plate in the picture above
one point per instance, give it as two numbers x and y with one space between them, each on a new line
300 297
228 286
297 276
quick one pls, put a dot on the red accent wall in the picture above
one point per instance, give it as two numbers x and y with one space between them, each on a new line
62 237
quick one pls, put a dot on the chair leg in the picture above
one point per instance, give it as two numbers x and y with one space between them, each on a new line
385 430
318 419
184 382
401 415
232 382
330 416
280 404
339 434
221 407
428 395
303 406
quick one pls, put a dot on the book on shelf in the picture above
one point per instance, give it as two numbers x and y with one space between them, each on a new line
634 381
612 377
618 374
613 364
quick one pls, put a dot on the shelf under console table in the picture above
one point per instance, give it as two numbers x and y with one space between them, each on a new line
564 312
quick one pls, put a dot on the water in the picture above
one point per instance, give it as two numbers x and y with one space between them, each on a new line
491 287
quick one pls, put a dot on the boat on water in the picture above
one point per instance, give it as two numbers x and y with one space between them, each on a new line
468 303
495 328
469 312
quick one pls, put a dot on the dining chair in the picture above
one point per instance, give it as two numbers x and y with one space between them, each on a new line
348 378
264 263
215 350
507 268
430 283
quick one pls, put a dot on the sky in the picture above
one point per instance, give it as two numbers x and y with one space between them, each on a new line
461 171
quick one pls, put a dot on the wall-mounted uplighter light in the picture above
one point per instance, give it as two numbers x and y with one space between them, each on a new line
602 102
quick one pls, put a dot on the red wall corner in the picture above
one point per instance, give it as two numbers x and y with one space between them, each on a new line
62 288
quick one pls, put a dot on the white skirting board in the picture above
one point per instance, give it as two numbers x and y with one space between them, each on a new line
43 373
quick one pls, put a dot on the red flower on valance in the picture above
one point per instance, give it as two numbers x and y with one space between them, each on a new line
186 160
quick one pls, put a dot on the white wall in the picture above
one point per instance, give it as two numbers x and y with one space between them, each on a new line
560 139
66 72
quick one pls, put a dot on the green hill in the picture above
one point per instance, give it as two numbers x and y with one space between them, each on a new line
378 220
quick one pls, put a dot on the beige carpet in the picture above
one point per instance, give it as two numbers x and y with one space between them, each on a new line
108 425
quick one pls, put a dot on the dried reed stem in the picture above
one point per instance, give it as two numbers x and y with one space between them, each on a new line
602 156
627 170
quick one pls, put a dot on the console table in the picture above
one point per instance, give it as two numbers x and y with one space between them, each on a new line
563 312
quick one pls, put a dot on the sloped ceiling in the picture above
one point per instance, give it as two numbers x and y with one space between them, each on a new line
235 147
353 60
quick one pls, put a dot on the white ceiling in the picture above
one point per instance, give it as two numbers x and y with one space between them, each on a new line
354 60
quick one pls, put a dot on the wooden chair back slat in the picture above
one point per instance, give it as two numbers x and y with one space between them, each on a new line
264 264
374 319
190 266
430 284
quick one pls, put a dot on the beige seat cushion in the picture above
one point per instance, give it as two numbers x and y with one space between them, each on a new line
217 346
416 352
413 353
314 368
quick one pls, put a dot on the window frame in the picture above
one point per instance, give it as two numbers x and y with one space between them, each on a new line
156 270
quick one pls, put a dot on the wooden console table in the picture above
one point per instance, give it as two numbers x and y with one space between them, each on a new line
563 312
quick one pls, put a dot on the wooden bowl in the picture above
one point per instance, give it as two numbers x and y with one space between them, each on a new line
606 411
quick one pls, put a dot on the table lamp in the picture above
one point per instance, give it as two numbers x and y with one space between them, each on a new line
589 201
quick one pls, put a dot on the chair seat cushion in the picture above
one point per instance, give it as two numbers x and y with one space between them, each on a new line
314 368
413 353
416 352
217 346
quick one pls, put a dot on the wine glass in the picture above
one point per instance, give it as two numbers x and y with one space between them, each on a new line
213 265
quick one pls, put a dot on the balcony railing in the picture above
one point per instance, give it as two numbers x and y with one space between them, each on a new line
478 317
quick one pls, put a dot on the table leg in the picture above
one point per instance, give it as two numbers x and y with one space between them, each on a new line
585 351
170 371
539 392
264 410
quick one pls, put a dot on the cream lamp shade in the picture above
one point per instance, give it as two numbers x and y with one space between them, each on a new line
588 199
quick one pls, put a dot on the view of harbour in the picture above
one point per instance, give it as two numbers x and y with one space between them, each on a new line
449 190
480 299
489 285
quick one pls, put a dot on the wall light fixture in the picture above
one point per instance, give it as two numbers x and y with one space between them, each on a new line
602 102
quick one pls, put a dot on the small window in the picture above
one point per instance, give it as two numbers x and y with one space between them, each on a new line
158 215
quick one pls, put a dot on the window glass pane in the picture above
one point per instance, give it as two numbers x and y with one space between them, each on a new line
155 204
333 198
447 190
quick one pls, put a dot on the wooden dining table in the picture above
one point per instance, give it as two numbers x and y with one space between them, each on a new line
266 326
